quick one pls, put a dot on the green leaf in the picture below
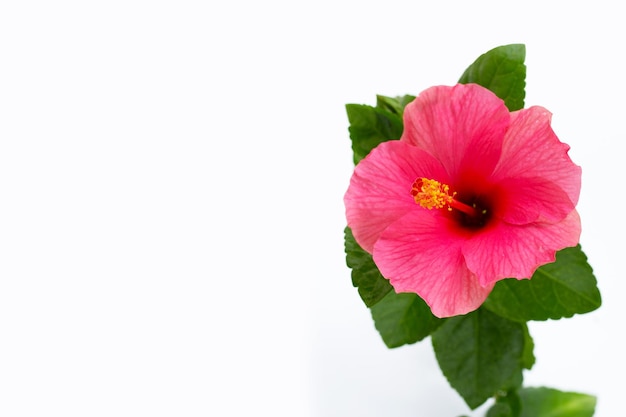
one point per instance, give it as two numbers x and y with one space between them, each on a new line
393 104
528 356
548 402
501 70
403 319
366 277
500 410
559 289
508 404
370 126
480 354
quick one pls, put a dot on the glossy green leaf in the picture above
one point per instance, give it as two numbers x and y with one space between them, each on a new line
528 355
500 410
508 404
370 126
394 104
559 289
548 402
480 354
501 70
366 277
403 319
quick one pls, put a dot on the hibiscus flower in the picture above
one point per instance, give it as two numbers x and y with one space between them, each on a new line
471 194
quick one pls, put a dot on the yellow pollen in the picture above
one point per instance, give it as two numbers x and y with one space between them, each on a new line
431 194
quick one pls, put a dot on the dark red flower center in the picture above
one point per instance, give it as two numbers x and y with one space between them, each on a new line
470 211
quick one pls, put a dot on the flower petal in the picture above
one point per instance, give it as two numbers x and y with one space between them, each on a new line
462 126
421 253
527 200
531 149
379 191
510 251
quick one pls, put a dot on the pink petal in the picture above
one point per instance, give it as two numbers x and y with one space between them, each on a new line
527 200
462 126
511 251
532 150
379 191
421 253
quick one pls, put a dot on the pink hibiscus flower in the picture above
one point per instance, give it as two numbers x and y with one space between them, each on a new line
471 194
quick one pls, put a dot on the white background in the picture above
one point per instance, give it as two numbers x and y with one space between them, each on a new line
171 215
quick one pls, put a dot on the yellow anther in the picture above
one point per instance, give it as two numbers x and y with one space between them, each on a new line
431 194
